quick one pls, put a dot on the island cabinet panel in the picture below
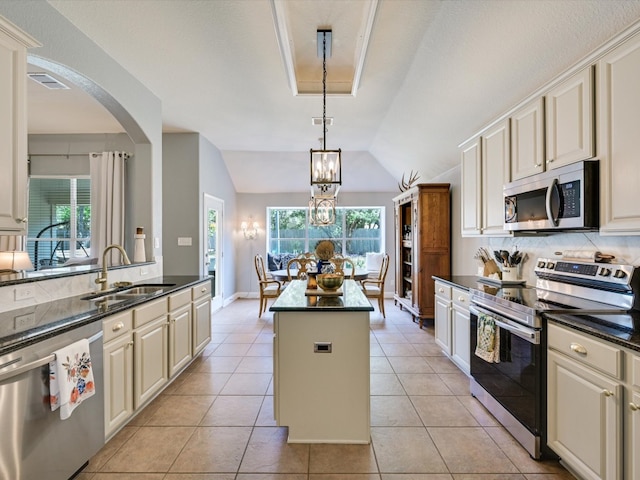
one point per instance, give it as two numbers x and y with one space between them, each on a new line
423 246
322 376
321 364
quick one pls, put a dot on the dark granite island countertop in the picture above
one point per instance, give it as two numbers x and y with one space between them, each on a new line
293 299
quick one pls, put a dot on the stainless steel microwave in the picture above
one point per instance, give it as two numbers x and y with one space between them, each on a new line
565 198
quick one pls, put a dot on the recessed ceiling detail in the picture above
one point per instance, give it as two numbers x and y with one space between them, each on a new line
351 24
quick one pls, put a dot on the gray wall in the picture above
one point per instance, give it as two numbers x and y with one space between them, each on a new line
192 167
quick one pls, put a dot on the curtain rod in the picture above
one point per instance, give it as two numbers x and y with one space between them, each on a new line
126 155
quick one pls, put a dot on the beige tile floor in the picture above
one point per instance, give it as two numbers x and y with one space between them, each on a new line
215 421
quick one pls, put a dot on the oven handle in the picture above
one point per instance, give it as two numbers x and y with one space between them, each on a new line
36 363
528 334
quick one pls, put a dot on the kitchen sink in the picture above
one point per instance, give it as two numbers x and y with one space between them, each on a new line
129 293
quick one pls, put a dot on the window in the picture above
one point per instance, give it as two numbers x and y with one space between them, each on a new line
59 220
357 231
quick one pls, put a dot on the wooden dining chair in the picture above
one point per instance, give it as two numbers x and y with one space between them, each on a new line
269 288
303 266
339 263
374 288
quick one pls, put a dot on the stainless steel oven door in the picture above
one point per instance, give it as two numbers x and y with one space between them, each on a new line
516 383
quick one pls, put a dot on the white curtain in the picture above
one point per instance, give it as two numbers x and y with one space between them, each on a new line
107 203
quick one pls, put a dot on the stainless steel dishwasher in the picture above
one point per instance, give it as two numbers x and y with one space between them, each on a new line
35 443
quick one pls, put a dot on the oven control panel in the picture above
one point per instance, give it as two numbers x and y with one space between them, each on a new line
615 274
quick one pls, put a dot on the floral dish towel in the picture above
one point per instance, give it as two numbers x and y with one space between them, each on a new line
71 378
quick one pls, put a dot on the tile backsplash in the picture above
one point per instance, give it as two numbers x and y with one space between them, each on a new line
625 249
46 290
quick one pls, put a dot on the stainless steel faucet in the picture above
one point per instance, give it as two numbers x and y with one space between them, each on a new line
102 276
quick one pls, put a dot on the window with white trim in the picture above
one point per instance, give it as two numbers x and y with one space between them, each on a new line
357 230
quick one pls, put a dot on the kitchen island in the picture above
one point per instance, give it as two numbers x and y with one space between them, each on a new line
321 364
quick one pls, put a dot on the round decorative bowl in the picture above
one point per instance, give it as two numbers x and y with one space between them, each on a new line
329 282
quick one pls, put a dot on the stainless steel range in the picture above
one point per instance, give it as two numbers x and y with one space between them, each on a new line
511 381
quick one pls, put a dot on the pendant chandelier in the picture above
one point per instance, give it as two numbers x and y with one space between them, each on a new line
326 165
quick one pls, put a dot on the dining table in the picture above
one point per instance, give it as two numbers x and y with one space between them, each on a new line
283 275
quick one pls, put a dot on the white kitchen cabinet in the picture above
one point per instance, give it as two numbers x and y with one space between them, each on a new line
460 330
201 295
180 324
570 120
151 356
527 139
118 370
471 215
452 323
486 167
585 395
442 317
632 422
13 127
618 140
496 171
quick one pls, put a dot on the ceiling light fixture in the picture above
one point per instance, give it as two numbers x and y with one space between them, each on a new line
326 165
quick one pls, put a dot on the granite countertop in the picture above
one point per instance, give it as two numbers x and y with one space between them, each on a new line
293 299
461 281
33 323
582 323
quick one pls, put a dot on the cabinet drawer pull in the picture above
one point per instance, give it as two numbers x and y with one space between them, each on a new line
204 290
576 347
441 290
634 407
607 393
461 299
118 326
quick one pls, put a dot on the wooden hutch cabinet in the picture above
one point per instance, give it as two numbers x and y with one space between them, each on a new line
423 246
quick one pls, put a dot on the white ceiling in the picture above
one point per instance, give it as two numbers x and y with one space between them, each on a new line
434 72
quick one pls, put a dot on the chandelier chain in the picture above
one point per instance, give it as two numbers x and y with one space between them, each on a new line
324 91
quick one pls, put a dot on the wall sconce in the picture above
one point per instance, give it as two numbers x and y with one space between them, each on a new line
249 232
15 261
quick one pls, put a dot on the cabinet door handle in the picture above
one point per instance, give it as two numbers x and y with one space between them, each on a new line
607 393
538 165
550 161
21 220
634 407
118 326
130 344
576 347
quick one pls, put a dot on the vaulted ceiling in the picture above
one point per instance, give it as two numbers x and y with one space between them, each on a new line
408 80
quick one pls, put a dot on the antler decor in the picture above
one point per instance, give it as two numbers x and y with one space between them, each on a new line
413 178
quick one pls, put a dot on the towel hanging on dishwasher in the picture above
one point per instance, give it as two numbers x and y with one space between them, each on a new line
488 342
71 378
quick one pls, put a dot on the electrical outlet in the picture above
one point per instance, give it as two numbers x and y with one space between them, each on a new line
24 292
24 321
184 241
143 271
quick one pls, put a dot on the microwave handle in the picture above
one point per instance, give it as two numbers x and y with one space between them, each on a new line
553 187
